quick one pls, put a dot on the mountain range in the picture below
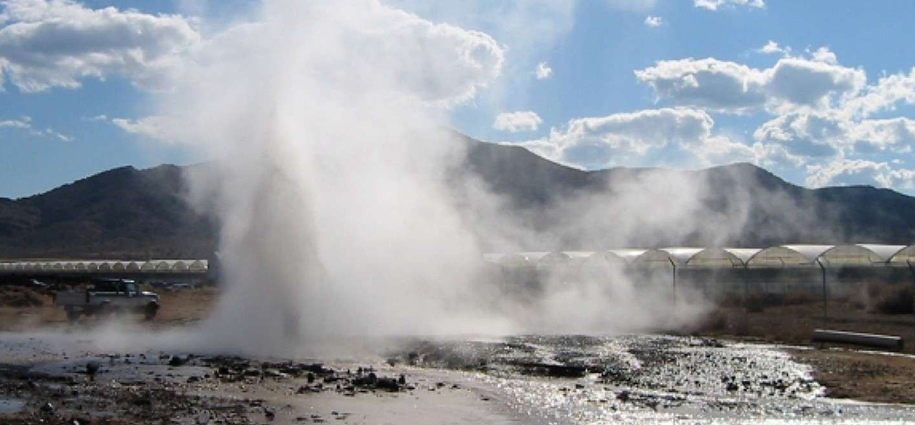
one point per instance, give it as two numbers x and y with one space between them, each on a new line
131 213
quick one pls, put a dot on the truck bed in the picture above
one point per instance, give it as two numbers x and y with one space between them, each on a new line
72 298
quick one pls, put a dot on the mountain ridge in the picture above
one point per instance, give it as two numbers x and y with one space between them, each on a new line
132 213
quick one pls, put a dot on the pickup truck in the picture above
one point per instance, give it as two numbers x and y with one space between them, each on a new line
108 296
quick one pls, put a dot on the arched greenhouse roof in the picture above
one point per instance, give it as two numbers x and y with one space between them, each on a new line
884 252
905 255
628 255
654 258
787 255
604 259
722 257
682 255
860 255
553 259
578 258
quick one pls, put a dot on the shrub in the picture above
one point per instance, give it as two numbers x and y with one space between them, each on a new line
893 301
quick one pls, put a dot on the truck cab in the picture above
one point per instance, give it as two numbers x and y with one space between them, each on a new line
108 296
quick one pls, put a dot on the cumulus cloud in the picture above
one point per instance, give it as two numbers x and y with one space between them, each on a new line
517 121
707 83
726 86
152 127
821 111
466 61
24 123
56 43
599 142
543 71
884 95
653 21
772 47
713 5
845 172
830 134
813 82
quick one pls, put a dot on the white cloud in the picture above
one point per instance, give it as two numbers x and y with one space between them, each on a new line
24 123
806 135
831 134
598 142
813 82
543 71
652 136
715 4
731 87
824 55
772 47
845 172
152 127
821 111
461 61
46 44
517 121
884 95
707 83
632 5
653 21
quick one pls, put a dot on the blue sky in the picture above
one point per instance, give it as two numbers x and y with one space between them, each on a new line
821 93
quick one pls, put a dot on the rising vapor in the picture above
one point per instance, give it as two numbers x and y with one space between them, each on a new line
335 187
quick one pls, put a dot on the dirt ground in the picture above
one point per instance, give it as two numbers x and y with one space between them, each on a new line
863 376
794 324
25 308
854 374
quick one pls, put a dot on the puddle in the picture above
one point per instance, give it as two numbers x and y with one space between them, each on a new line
11 405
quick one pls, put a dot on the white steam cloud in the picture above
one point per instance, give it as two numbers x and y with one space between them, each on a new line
330 170
343 205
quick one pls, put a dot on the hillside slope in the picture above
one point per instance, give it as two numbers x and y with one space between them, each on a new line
127 212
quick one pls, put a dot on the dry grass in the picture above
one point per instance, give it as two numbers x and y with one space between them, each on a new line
793 323
24 308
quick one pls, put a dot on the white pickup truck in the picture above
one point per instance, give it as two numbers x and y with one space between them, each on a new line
108 296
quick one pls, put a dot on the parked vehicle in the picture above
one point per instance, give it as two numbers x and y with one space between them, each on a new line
106 297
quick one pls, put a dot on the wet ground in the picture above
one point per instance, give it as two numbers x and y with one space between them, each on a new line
59 378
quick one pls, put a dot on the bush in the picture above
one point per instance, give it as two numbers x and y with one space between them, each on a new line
21 299
892 301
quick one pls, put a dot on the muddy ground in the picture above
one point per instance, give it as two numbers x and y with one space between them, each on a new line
637 379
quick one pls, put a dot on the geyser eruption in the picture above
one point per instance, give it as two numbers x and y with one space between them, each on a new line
334 183
330 169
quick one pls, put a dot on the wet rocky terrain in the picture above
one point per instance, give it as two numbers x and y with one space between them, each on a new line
525 379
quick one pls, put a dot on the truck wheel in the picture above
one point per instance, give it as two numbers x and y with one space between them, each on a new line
151 310
72 315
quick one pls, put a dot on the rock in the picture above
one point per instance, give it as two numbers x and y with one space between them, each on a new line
92 368
387 384
623 396
47 408
176 361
